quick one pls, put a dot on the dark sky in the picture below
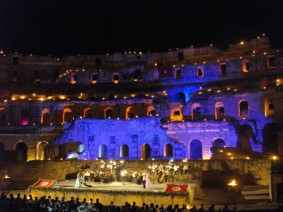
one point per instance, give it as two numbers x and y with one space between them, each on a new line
70 27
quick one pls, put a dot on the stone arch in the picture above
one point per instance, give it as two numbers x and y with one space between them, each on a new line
219 111
45 116
151 111
181 97
196 111
270 137
108 113
87 113
145 151
269 107
2 116
103 151
168 150
176 114
130 113
21 151
40 150
124 151
24 117
67 115
195 149
115 78
218 143
243 109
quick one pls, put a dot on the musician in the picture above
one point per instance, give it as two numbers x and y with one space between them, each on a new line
185 169
160 169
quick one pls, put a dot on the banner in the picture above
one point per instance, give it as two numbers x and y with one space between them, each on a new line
176 188
44 183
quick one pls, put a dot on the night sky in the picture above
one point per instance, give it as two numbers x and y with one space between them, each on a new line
68 27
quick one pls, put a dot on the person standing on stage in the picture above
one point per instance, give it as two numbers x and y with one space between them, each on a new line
147 181
144 179
78 180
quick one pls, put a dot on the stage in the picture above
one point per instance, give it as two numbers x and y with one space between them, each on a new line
120 192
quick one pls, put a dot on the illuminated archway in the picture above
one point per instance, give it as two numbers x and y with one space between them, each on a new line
2 116
195 149
124 151
87 113
108 113
145 151
24 117
243 109
21 151
151 111
130 113
196 114
40 150
45 116
219 111
67 115
168 150
103 152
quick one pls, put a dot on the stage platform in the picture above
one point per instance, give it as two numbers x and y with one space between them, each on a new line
119 192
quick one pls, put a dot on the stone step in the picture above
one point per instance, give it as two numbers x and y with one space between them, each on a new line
257 192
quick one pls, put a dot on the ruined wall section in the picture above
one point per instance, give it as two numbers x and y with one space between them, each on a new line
114 133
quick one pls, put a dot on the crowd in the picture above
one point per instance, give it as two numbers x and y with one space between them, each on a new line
28 203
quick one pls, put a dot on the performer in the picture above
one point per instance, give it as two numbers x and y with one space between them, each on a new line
147 181
78 180
144 179
83 181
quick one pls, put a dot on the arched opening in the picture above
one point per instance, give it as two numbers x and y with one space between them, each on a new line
196 112
87 113
103 152
176 114
270 137
269 108
45 116
181 97
67 115
24 117
168 150
243 109
124 151
2 116
130 113
115 78
219 111
145 151
195 149
151 111
219 143
109 113
200 71
21 151
40 150
178 73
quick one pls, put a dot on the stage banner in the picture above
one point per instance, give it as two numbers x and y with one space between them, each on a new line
44 183
176 188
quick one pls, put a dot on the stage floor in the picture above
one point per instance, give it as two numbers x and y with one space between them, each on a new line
119 186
